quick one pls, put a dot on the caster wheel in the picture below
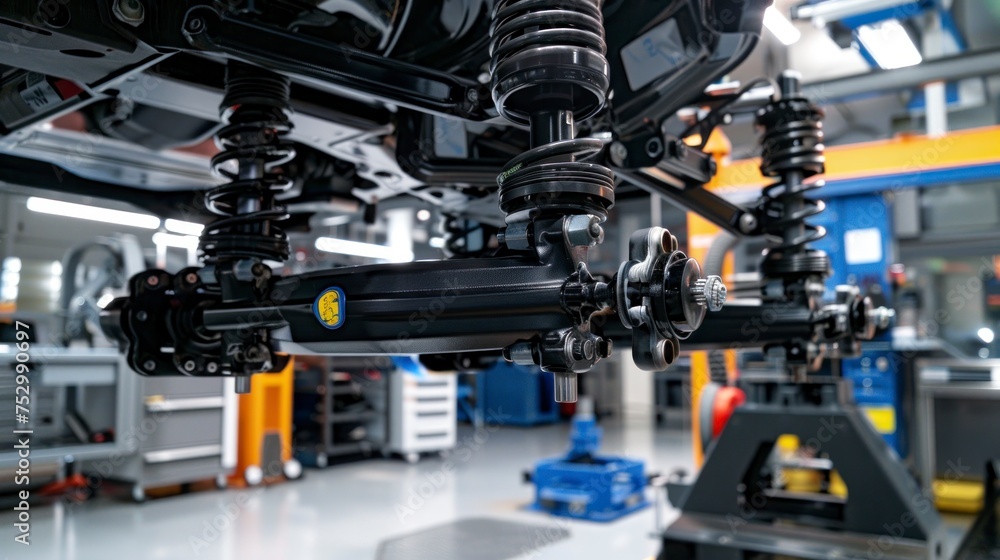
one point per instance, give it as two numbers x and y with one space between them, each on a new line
253 475
322 460
138 494
221 481
412 458
292 469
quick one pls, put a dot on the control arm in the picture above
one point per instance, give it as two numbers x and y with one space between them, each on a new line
541 307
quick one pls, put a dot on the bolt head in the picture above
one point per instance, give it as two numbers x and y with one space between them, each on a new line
149 365
709 292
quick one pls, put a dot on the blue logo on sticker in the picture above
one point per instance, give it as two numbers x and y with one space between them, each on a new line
329 308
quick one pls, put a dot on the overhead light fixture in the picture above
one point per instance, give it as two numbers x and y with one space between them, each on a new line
889 44
779 25
366 250
92 213
986 334
182 227
105 299
335 221
189 242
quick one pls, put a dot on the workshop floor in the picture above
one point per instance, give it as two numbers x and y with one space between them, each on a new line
345 511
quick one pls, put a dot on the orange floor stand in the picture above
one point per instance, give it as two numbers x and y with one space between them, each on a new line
264 441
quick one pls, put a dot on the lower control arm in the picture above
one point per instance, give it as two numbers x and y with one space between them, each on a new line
540 307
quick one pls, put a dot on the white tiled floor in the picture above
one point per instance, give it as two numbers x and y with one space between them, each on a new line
344 511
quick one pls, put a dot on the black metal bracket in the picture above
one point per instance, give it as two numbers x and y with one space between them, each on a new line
392 81
675 180
730 511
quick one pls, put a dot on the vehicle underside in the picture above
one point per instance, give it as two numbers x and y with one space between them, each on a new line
520 121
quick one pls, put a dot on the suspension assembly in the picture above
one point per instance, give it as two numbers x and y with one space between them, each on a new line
533 299
792 151
257 110
549 73
256 106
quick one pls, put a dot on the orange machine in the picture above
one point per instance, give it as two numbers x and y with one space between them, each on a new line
264 443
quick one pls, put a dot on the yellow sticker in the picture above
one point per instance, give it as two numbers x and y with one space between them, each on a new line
329 308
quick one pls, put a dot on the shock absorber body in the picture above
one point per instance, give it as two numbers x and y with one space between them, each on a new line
235 246
794 316
792 151
549 73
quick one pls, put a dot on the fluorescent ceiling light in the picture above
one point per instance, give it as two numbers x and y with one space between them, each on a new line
778 24
367 250
182 227
105 300
986 334
889 44
93 213
337 220
179 241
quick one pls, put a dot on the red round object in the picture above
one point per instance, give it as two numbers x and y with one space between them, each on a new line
726 401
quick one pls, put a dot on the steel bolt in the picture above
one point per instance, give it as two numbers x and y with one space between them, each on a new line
189 366
654 147
129 11
619 153
153 281
565 387
584 350
149 365
596 231
242 384
141 316
709 292
194 25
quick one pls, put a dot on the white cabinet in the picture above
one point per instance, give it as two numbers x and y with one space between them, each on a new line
421 412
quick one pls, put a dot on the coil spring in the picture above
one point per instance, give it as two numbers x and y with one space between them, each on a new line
550 72
792 151
256 104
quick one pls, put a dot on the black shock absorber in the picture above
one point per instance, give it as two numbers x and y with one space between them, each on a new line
256 106
549 73
257 111
792 152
